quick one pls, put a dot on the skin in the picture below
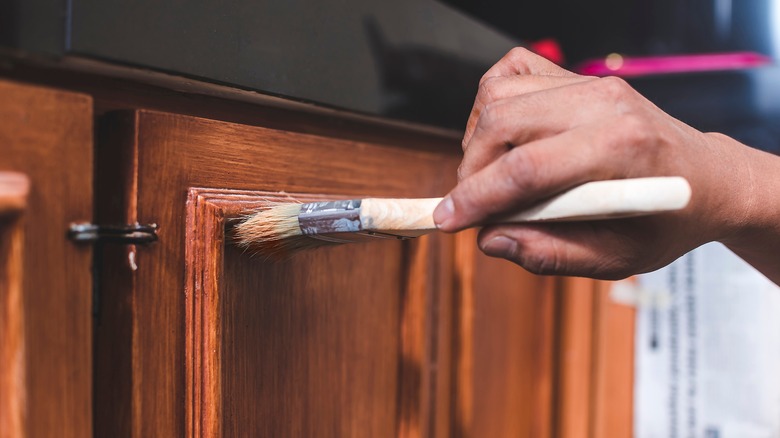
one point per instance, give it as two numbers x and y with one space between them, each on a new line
537 129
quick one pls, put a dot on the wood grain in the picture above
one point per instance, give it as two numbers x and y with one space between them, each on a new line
47 134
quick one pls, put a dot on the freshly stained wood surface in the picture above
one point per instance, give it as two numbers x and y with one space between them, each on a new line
47 135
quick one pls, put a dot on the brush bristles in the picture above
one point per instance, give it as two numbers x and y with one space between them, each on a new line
274 232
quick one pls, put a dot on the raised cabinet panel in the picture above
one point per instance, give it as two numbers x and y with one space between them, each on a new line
337 341
328 342
47 135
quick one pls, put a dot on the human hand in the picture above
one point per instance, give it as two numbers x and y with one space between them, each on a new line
536 130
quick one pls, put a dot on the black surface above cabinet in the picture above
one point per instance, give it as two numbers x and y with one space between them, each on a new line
742 104
416 60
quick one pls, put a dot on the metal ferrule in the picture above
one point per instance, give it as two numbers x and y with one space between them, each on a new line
336 221
330 217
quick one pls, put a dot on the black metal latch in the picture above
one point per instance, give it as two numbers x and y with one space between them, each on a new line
126 234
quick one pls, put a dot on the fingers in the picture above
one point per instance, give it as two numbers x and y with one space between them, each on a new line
597 250
615 148
519 178
510 122
513 121
496 88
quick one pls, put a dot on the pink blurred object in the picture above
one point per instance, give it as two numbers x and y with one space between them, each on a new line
618 65
550 49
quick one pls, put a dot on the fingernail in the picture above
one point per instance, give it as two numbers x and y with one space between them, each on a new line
500 246
444 212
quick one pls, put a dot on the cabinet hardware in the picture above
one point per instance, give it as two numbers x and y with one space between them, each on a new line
126 234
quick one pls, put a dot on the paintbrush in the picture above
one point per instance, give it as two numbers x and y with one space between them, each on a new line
285 228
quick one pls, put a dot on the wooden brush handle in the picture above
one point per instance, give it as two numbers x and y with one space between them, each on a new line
590 201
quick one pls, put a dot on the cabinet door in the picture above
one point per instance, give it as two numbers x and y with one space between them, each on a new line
46 283
199 338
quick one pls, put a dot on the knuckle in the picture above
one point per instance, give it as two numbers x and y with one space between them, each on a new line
491 116
634 130
518 54
628 137
614 87
488 89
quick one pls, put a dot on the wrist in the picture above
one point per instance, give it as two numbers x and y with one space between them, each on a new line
751 220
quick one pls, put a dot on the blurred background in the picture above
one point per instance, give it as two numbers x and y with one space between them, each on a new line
738 93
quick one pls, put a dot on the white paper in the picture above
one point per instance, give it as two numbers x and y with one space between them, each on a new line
707 350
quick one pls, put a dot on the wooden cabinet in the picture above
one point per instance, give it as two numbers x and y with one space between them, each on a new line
46 281
193 336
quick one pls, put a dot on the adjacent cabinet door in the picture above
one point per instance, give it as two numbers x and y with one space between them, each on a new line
45 280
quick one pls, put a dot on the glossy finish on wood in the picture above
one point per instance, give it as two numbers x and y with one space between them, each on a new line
47 134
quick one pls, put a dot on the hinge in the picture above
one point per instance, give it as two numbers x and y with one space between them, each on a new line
125 234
